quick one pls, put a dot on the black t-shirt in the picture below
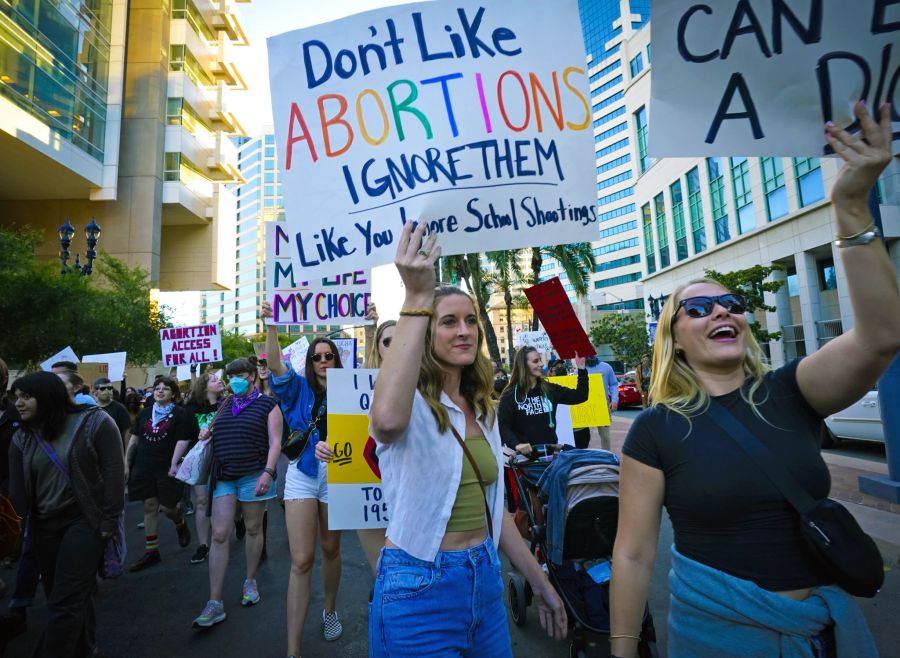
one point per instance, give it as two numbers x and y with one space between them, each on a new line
531 417
156 445
202 414
119 414
725 513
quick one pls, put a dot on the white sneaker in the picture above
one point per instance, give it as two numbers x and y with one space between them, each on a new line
331 626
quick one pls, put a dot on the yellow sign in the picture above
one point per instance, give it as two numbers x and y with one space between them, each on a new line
594 412
348 436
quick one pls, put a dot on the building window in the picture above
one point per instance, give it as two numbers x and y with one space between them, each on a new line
615 146
172 166
662 232
173 111
716 177
827 274
695 206
618 178
743 200
773 186
637 65
617 280
616 246
681 247
612 164
618 212
609 133
615 230
616 263
648 53
640 125
809 180
647 221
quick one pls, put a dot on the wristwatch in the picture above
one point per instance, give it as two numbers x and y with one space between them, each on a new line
271 472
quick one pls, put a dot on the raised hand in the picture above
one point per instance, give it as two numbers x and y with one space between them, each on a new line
415 262
865 154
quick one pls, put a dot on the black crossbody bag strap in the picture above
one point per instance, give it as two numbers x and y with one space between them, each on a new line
765 459
487 508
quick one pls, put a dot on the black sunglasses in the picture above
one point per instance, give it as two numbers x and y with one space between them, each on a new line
386 341
700 307
104 388
328 356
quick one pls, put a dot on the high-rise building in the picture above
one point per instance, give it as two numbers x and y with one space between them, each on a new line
119 111
259 201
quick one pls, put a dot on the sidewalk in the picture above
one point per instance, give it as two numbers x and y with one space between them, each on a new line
879 518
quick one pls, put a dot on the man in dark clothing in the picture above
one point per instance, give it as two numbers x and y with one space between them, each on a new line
104 394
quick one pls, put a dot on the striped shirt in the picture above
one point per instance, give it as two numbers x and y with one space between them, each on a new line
241 443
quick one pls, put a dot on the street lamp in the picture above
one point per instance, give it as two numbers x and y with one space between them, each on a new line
656 305
618 299
91 235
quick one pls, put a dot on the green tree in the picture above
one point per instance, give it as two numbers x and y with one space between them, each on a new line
43 310
236 346
751 283
626 334
467 268
576 260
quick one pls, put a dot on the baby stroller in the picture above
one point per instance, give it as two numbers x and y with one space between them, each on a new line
567 507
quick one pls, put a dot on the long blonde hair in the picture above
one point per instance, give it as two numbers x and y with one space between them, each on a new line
476 380
672 381
373 358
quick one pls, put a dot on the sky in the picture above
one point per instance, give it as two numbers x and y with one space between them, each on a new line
262 19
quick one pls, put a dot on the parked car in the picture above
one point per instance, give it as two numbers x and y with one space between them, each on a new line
861 420
628 393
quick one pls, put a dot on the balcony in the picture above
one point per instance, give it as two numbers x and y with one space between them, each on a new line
196 148
222 161
827 330
219 114
225 19
224 69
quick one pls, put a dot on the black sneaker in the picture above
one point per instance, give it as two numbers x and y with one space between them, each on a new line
184 534
148 559
200 554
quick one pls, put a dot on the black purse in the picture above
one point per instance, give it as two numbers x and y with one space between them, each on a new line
293 445
834 537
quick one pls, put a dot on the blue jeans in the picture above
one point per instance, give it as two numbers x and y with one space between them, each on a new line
450 607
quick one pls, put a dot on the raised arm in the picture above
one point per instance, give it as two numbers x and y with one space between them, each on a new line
577 395
273 347
399 374
853 361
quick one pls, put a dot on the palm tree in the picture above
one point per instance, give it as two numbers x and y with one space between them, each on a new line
577 261
505 277
467 267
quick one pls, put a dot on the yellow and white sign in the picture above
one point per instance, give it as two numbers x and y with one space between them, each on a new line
594 412
355 496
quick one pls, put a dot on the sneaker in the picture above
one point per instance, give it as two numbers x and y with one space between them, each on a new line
184 534
251 593
331 626
212 614
140 526
148 559
200 554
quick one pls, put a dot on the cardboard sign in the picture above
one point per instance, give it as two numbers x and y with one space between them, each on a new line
91 372
115 360
555 311
473 117
187 345
539 340
65 354
154 372
338 299
592 413
761 78
355 497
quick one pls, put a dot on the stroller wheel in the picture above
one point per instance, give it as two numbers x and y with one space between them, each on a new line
515 593
577 650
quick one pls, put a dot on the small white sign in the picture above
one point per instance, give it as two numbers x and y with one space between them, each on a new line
536 339
115 360
65 354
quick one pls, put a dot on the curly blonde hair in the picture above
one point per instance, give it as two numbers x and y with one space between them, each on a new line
476 381
673 382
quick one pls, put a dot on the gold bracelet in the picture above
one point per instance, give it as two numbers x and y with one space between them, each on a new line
630 637
870 227
417 312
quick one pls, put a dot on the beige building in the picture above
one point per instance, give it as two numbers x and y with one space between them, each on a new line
118 111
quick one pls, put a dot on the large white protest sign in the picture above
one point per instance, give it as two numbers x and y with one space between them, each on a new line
539 340
65 354
761 78
471 116
335 299
355 497
187 345
116 361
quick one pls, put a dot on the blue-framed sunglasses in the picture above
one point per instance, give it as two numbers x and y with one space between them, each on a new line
700 307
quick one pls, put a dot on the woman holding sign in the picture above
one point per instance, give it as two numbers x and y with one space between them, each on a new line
528 404
304 403
438 589
723 429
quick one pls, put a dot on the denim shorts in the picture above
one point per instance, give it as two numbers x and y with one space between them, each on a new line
244 488
300 486
450 607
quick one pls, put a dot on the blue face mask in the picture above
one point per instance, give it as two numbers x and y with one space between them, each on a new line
238 385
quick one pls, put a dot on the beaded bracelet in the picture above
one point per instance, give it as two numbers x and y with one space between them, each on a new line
418 312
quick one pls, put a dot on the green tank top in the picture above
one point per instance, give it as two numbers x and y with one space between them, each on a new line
468 508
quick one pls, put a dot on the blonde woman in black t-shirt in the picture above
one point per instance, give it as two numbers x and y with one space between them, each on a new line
742 580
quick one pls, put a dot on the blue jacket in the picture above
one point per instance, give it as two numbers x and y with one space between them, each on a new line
715 615
553 490
297 398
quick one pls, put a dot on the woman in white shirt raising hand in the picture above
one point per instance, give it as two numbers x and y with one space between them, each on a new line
438 590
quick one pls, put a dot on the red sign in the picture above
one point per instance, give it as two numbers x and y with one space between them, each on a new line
555 311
